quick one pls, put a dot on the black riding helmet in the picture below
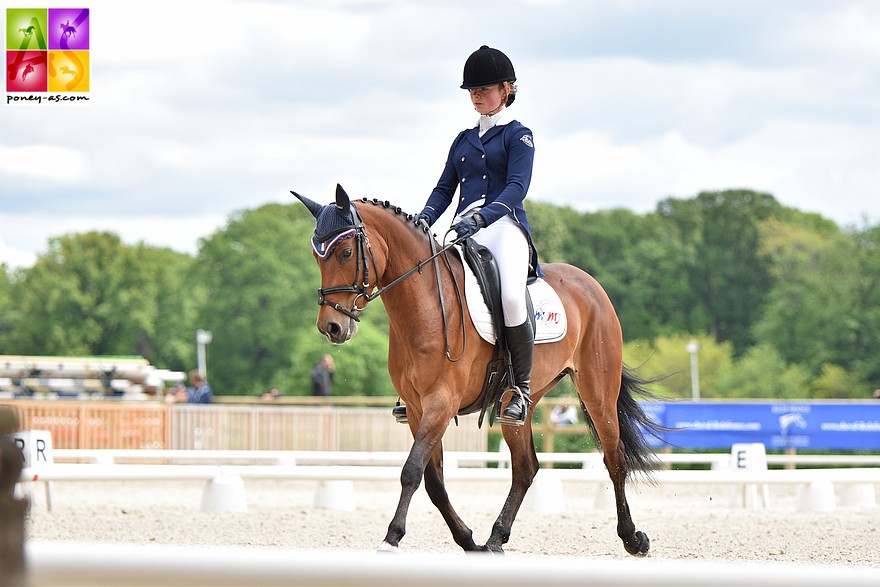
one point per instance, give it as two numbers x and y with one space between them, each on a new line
486 67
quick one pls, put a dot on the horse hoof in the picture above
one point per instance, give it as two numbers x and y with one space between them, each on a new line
639 544
385 547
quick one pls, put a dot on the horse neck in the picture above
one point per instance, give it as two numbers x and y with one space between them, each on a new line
402 247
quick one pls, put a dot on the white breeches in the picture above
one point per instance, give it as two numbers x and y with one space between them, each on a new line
508 243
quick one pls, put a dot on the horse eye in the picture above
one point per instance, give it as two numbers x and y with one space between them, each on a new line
344 254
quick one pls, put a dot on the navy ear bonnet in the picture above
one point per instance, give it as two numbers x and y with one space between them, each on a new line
333 226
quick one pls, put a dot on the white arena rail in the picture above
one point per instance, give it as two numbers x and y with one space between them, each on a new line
104 565
225 489
451 458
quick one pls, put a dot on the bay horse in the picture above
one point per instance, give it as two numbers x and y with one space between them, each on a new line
437 360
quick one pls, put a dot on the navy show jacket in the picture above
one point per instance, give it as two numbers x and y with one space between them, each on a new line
494 170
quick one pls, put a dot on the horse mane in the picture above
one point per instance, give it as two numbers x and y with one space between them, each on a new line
386 204
397 210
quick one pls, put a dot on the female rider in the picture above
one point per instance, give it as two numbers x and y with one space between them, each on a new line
491 166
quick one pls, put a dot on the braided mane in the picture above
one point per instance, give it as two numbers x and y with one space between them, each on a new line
407 217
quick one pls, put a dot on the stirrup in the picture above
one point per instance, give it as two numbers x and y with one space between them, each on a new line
399 413
527 402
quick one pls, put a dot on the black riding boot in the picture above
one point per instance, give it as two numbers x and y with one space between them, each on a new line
521 343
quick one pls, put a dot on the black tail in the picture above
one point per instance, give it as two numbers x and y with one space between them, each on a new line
634 423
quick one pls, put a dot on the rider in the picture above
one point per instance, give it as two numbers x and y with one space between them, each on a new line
491 165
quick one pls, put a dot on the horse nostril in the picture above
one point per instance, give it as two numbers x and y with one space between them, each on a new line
334 330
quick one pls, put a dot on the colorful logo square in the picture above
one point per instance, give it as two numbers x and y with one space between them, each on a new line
68 29
68 71
47 50
26 71
26 29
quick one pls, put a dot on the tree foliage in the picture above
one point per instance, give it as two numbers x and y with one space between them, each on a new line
90 294
783 304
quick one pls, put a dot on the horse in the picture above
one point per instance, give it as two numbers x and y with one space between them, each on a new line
437 360
67 30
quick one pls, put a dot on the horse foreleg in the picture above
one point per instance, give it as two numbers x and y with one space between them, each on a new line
410 479
523 468
436 489
427 432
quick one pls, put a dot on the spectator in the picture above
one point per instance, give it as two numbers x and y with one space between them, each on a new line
322 376
273 393
199 392
176 394
563 415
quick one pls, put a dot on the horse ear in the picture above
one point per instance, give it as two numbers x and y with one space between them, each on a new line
342 202
314 207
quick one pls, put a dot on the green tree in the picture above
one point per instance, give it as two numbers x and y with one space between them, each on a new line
761 372
261 280
823 308
7 311
90 294
728 273
667 359
361 363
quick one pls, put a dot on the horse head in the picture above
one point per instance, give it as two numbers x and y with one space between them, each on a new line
340 248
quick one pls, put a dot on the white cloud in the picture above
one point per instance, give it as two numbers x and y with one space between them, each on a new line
44 163
228 105
31 232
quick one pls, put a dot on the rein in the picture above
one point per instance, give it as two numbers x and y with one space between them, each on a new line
363 289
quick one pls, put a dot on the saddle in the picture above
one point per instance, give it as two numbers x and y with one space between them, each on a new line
547 316
499 371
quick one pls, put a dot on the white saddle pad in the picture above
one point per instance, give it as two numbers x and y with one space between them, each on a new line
550 321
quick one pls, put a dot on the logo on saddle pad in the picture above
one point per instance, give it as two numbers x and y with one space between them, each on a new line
550 321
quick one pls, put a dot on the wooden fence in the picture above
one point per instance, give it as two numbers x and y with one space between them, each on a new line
152 425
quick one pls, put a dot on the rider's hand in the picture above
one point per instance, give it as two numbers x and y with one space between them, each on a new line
469 226
422 217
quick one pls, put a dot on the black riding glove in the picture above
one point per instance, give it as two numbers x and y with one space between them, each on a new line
422 217
469 226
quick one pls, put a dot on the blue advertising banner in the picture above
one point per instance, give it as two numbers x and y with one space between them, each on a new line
807 425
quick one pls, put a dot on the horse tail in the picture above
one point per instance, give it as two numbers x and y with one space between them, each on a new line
634 424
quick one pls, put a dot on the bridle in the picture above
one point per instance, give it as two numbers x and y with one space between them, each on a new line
362 287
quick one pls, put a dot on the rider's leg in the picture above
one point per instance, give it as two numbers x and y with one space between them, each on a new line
508 243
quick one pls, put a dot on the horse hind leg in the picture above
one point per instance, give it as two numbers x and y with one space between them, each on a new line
611 423
635 542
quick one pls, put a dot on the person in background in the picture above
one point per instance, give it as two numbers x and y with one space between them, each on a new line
199 391
176 394
272 394
322 376
563 415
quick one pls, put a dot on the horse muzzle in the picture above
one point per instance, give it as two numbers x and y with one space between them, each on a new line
337 329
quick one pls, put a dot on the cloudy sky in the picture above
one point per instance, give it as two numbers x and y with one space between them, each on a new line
199 109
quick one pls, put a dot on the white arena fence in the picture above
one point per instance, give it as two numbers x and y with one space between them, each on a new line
820 489
80 565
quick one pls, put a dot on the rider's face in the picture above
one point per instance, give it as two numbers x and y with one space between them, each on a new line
487 100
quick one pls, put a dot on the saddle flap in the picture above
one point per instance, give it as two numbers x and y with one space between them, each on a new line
548 312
